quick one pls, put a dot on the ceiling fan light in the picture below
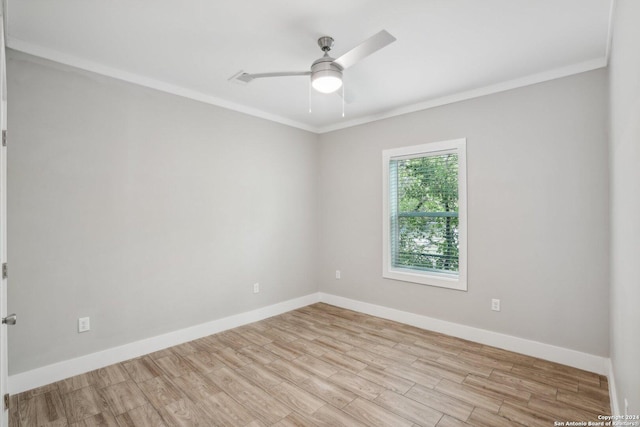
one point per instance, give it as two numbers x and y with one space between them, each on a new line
326 81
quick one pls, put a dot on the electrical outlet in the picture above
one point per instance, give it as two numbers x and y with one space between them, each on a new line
626 407
337 274
83 324
495 304
256 288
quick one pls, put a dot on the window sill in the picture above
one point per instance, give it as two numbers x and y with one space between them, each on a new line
431 279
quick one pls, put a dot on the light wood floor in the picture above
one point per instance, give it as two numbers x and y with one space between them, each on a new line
325 366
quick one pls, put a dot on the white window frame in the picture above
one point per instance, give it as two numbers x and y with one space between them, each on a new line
443 280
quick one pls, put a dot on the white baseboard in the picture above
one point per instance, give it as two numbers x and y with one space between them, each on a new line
613 391
68 368
565 356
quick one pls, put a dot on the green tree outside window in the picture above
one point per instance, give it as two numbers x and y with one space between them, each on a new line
424 213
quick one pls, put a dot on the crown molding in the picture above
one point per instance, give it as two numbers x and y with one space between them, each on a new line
532 79
74 61
612 11
95 67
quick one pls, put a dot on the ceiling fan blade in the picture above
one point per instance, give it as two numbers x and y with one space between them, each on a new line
366 48
243 77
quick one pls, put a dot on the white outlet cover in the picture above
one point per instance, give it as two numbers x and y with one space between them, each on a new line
256 288
84 324
338 274
495 304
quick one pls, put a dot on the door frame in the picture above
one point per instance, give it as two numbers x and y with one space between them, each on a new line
4 375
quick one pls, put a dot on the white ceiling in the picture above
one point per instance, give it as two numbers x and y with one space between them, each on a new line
446 50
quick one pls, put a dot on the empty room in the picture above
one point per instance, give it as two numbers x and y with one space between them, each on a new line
339 213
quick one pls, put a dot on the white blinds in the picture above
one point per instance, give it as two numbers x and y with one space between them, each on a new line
424 213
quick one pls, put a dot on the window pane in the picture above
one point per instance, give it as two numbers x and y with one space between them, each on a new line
428 243
424 213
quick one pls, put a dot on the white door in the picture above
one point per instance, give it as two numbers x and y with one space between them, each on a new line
4 420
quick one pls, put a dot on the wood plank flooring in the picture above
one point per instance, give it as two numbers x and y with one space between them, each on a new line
320 366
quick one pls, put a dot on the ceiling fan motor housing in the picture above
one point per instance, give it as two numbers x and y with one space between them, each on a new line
326 64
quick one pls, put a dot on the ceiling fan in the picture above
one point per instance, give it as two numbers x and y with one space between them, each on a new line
326 72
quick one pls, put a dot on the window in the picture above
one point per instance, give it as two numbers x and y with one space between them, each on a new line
424 214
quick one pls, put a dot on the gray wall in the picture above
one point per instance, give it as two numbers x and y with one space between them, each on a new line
537 216
625 202
145 211
150 212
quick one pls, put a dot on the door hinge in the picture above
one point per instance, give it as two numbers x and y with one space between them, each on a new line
5 271
4 138
6 401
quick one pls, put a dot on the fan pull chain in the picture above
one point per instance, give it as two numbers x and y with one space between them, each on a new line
342 99
309 96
